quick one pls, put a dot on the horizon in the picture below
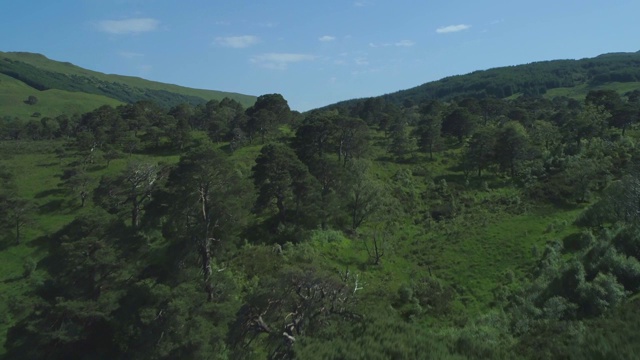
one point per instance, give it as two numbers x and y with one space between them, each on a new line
313 54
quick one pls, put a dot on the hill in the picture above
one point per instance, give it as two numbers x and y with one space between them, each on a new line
43 74
572 78
51 103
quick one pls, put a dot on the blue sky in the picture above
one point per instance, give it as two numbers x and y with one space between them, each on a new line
314 53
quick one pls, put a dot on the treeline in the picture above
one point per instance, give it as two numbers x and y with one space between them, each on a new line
125 126
219 256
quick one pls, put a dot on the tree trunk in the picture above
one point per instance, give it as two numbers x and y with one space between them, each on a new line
18 230
282 210
135 213
205 254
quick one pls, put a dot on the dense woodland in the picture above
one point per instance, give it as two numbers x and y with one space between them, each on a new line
471 228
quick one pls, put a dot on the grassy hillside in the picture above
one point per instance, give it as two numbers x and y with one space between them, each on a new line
42 73
51 103
573 78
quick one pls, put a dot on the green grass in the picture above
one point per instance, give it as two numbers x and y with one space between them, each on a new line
89 76
581 91
51 103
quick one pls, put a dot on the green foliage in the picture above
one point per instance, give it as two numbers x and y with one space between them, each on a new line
40 73
320 244
535 79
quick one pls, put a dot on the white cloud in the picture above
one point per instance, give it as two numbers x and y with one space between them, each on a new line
280 61
405 43
361 61
268 24
452 28
402 43
360 3
237 42
326 38
128 26
130 54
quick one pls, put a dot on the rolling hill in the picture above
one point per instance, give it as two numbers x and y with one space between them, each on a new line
69 88
572 78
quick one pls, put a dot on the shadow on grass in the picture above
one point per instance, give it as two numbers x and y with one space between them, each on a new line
51 206
55 163
7 241
14 279
47 193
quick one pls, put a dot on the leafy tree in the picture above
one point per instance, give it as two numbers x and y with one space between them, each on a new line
364 194
17 214
280 177
589 123
352 138
267 112
544 134
625 116
480 150
512 143
458 122
401 142
112 154
180 133
134 186
77 182
313 137
73 316
31 100
429 133
206 204
609 100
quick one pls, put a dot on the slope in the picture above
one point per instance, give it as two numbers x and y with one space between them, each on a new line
51 103
573 78
42 73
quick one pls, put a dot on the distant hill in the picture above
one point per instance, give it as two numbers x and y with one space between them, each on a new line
44 78
573 78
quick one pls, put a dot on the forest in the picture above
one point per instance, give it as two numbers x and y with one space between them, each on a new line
461 228
535 79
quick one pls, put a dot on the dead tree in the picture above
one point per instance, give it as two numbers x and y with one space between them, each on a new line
377 247
299 304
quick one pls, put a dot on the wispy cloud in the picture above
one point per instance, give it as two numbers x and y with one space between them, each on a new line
326 38
401 43
280 61
130 54
360 3
361 61
268 24
405 43
452 28
128 26
237 42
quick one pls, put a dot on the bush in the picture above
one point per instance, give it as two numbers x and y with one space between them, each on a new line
31 100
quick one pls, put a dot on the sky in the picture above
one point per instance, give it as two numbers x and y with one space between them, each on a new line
314 52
